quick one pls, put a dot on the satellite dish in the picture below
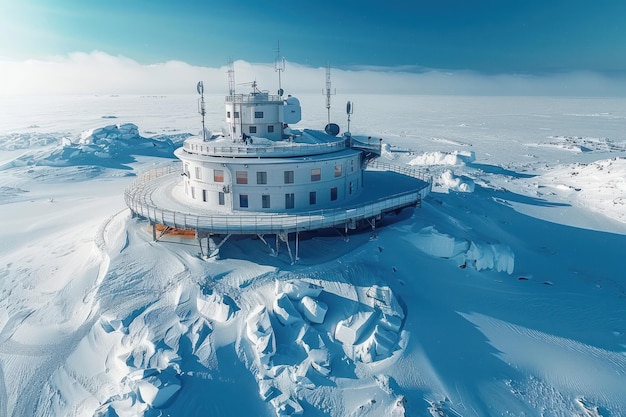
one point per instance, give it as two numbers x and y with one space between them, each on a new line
349 109
200 87
332 129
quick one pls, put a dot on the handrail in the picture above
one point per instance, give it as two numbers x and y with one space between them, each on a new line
264 150
410 172
138 197
262 97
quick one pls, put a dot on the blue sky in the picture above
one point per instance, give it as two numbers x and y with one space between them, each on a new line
492 37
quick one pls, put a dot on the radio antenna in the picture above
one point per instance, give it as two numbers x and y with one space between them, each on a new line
328 91
201 108
349 111
231 77
279 66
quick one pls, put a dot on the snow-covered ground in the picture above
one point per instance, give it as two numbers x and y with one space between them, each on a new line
503 295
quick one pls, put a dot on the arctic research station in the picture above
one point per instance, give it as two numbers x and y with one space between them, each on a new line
262 176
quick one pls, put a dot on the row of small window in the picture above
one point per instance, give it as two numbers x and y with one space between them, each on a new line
265 198
257 114
253 129
290 199
241 177
220 196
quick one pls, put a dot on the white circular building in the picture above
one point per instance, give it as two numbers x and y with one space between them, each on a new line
264 176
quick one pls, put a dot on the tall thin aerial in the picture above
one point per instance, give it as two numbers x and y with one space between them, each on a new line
231 77
279 66
328 91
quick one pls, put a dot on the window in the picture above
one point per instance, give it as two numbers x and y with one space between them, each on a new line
193 192
198 173
338 170
242 177
252 129
243 200
352 165
204 195
289 201
350 188
258 114
218 175
316 174
187 169
220 198
270 129
333 194
228 115
312 197
288 177
236 115
261 177
265 201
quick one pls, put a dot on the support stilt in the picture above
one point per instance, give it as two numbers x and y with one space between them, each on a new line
200 244
344 236
372 223
267 244
293 261
164 231
297 246
216 251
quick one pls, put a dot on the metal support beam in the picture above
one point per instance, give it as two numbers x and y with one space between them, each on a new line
267 244
297 245
200 244
216 251
289 249
372 222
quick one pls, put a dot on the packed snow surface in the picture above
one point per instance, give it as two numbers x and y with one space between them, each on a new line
504 294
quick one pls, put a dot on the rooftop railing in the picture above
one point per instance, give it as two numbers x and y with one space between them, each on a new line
254 98
284 149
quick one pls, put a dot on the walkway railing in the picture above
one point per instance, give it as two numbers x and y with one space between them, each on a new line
138 197
292 149
404 170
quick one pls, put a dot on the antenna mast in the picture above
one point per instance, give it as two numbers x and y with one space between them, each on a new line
231 77
201 108
349 111
328 91
279 66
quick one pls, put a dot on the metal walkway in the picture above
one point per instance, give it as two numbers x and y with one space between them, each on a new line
387 188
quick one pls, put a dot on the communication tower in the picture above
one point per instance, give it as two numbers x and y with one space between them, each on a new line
328 91
279 66
231 77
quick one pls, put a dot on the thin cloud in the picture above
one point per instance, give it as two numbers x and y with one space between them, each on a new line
100 73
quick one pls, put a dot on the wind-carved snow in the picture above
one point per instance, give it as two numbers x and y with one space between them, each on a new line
443 158
477 254
599 186
111 145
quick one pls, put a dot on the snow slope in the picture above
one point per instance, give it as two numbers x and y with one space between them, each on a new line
504 294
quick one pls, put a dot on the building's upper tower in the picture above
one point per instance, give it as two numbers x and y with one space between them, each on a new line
260 114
